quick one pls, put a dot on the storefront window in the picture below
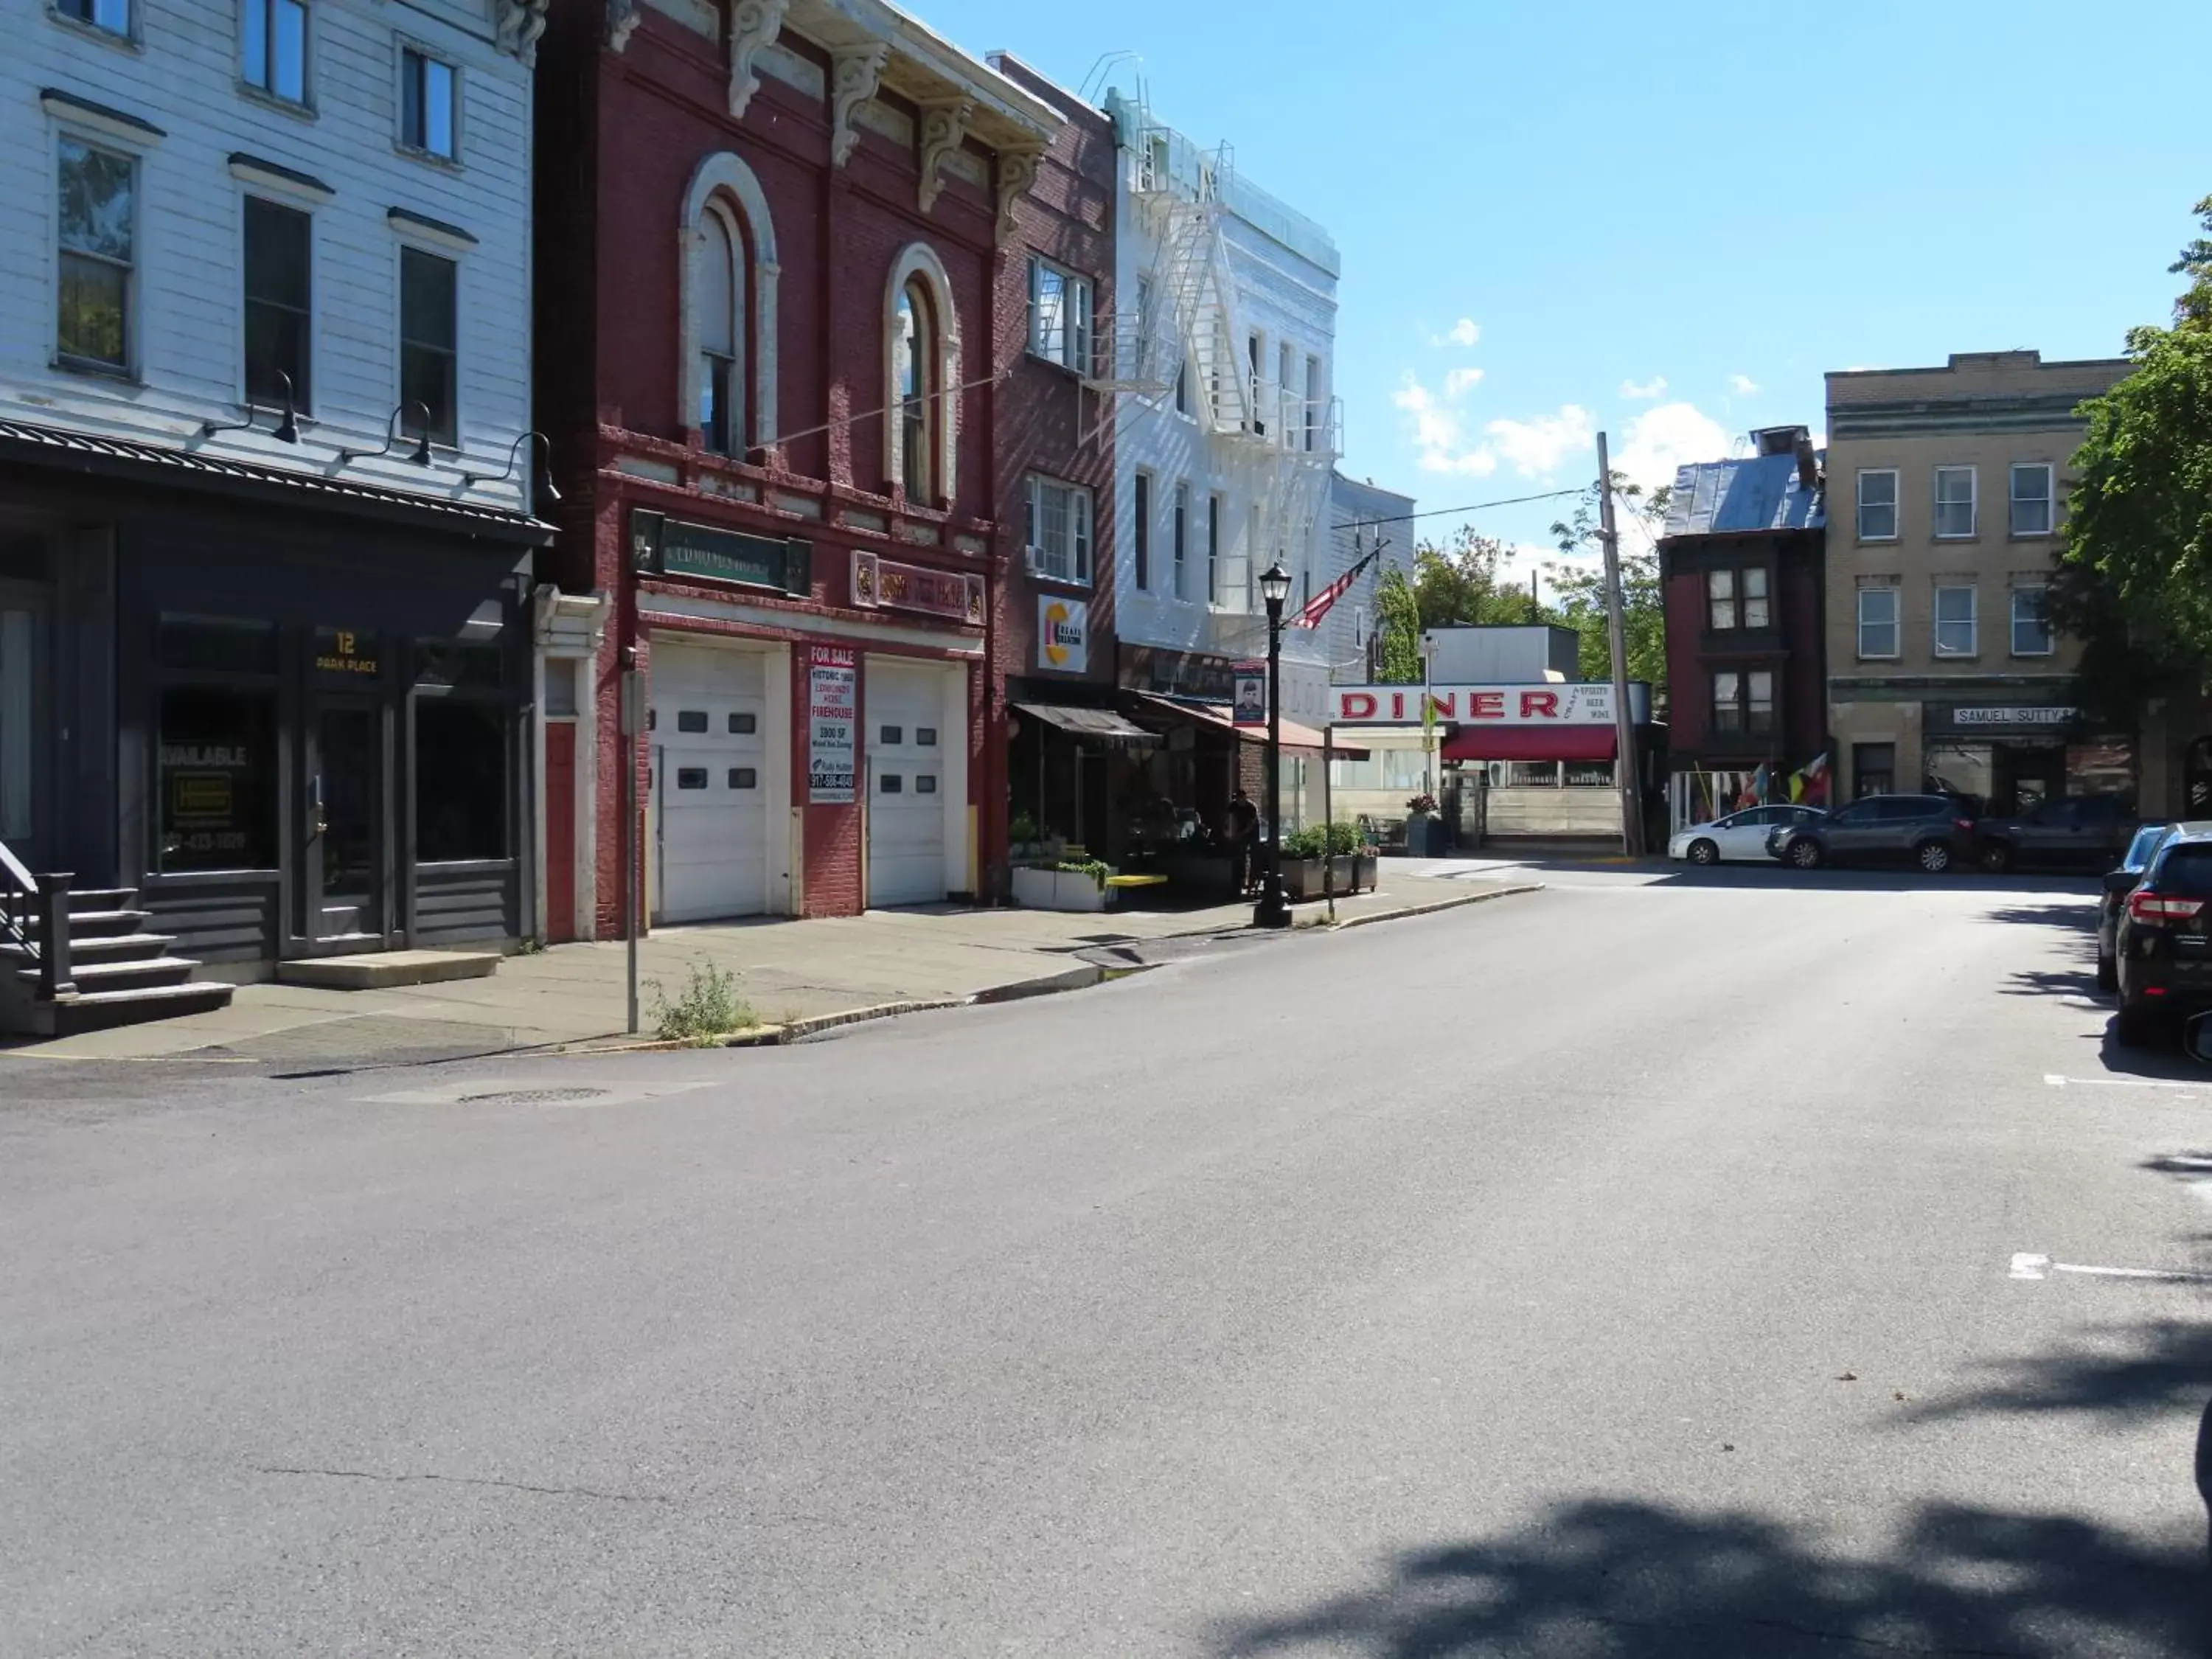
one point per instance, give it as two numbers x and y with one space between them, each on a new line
218 778
1967 769
460 780
216 645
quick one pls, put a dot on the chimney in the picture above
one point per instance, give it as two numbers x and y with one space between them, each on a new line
1809 461
1777 440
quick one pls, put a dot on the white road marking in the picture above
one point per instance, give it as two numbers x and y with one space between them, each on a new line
2028 1265
2059 1082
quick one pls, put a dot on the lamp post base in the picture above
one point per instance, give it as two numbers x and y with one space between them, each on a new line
1273 909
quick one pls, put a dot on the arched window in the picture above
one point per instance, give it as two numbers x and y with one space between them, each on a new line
922 378
726 380
913 347
722 425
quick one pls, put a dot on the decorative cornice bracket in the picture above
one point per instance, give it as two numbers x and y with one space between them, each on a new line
520 24
854 74
622 19
753 24
944 130
1017 166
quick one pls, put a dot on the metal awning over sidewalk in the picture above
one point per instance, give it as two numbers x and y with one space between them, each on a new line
1297 739
1092 725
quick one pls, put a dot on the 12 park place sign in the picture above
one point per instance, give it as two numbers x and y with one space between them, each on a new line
1537 706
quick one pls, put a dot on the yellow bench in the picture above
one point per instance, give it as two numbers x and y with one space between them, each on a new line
1136 881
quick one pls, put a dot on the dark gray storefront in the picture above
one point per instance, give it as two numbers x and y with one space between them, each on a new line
297 725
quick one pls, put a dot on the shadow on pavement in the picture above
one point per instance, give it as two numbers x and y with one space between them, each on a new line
1611 1578
2153 1368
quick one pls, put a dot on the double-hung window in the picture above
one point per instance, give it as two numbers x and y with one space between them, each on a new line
97 192
2032 503
1060 316
1744 701
279 304
1313 402
113 15
1736 599
1140 532
1720 599
1181 539
1059 529
275 48
1954 502
429 104
429 333
1878 622
1954 621
2031 623
1878 505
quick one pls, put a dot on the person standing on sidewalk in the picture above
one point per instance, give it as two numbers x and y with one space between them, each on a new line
1242 822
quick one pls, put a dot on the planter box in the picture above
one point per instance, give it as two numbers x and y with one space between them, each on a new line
1349 873
1425 837
1057 889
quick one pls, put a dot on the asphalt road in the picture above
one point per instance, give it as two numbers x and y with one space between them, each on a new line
1678 1267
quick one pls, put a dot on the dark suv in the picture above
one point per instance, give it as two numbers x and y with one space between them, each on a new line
2077 832
2164 946
1933 832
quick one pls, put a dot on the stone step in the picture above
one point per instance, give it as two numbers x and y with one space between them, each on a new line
378 970
92 924
105 947
96 1011
140 974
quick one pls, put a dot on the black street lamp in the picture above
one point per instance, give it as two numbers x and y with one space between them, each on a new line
1275 909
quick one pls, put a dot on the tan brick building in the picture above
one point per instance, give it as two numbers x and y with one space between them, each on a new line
1947 491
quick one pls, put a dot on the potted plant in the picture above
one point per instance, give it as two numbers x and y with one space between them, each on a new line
1063 886
1350 862
1424 829
1022 836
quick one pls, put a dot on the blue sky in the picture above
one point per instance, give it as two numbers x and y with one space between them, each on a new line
1610 195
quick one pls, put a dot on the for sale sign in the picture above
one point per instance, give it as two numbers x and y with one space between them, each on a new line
833 720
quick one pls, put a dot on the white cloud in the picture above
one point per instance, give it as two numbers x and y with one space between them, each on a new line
1667 437
1536 448
1650 388
1464 332
1742 385
1439 431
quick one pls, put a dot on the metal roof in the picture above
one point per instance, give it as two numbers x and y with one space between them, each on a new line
1755 494
128 458
1102 724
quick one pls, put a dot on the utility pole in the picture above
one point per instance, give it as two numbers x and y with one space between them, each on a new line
1625 768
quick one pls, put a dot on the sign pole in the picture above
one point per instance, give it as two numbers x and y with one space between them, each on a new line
632 723
1625 767
1327 858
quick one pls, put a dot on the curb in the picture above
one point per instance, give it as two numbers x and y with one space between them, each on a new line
1435 905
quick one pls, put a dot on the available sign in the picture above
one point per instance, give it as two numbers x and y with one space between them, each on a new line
1472 705
1063 634
833 720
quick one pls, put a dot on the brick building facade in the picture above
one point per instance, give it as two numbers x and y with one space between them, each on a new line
768 322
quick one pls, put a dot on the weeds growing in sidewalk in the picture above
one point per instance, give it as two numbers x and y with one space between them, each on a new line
708 1006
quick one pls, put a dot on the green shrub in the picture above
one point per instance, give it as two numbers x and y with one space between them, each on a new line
1022 828
1336 840
708 1006
1096 869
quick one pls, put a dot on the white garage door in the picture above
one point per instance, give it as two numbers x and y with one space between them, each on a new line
905 709
710 782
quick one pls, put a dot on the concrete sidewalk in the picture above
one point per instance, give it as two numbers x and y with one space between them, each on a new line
788 971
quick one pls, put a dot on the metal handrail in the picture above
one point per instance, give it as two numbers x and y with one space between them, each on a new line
23 896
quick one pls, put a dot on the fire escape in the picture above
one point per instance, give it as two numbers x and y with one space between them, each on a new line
1181 337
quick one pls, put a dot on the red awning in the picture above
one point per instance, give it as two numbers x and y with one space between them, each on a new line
1530 743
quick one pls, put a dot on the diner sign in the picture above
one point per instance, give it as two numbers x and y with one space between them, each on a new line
888 584
1472 705
833 716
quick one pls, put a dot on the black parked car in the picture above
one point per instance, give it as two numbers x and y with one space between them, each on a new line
2120 880
2164 947
2076 831
1933 832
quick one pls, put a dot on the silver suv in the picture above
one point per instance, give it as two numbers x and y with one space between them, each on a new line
1932 831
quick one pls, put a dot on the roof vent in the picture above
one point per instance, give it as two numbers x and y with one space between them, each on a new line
1778 439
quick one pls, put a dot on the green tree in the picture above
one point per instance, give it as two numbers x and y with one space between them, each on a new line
1461 585
1579 588
1398 623
2135 583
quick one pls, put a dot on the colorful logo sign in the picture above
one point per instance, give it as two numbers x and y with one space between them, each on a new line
1064 635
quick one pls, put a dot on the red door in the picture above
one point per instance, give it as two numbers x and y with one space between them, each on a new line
560 831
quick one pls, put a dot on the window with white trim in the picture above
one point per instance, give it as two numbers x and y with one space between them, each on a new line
2033 503
1877 622
97 197
1954 621
1313 402
1217 561
1181 539
1743 701
1720 599
430 339
1954 502
112 15
1060 316
914 349
429 104
273 40
1059 529
1878 504
1140 532
722 281
2031 622
279 304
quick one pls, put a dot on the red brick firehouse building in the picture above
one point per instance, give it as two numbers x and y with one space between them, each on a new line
768 256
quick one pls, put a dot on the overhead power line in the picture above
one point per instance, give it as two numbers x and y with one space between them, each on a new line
1472 506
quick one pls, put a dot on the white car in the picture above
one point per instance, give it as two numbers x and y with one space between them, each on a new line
1738 835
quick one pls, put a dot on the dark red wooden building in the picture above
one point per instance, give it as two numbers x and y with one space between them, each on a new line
769 322
1742 563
